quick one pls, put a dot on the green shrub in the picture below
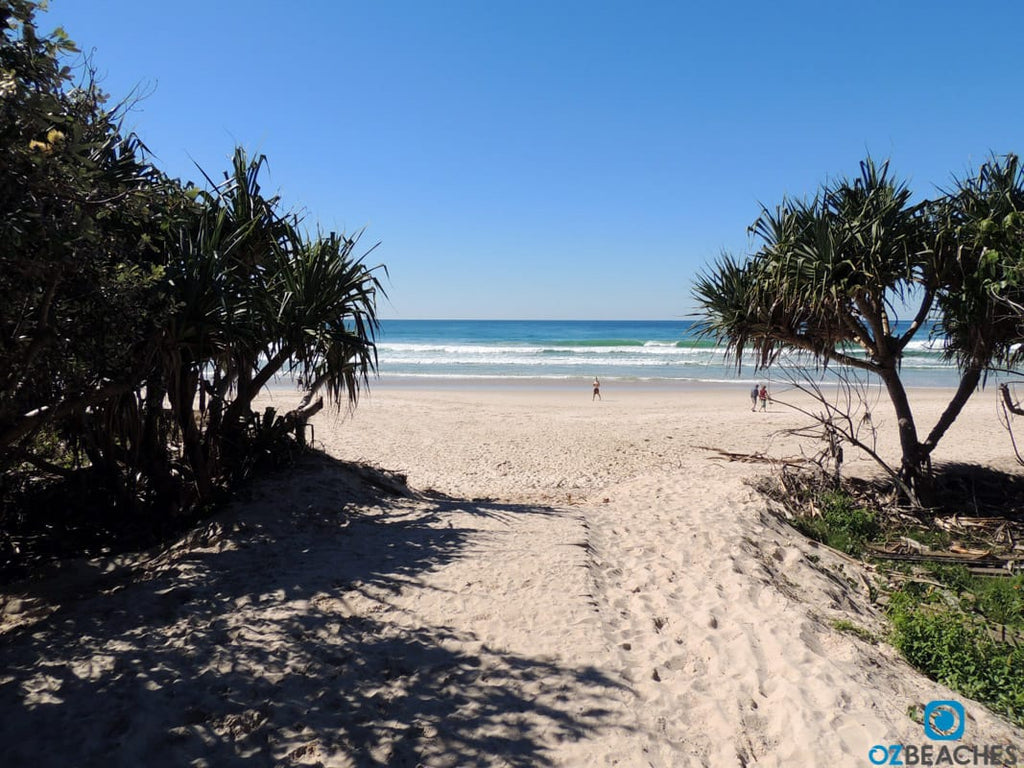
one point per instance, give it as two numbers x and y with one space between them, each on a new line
841 525
844 625
956 577
931 537
1002 600
956 650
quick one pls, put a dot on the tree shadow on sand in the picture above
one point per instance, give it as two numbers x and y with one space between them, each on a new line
239 646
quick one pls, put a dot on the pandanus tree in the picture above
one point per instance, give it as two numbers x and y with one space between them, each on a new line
256 297
833 273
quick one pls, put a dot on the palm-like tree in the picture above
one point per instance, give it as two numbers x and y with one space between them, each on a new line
325 316
832 274
982 245
255 297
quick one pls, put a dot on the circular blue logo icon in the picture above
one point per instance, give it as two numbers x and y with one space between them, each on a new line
944 720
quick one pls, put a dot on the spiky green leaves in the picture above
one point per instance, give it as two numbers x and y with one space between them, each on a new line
982 244
829 274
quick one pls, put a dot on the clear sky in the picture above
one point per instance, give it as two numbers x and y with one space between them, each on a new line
557 159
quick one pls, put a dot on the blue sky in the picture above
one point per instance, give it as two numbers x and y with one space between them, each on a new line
521 159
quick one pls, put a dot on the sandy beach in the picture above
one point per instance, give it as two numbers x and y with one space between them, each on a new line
566 583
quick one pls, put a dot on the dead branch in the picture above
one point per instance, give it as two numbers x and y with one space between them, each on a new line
753 458
844 420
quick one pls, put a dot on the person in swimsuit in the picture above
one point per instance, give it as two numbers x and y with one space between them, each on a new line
597 389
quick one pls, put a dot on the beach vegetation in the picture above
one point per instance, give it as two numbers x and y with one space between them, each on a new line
840 523
81 214
847 626
954 603
140 316
834 272
255 297
930 538
960 649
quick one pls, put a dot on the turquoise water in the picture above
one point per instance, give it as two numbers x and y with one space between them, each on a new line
633 350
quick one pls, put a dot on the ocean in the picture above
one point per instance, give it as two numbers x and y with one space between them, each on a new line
495 351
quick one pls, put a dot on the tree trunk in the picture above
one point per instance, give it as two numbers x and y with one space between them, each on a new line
236 415
182 399
33 420
154 454
296 419
914 461
1011 406
968 383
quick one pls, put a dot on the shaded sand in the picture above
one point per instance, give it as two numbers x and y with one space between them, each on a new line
570 583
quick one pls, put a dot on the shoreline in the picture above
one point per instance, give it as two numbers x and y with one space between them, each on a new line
429 382
582 349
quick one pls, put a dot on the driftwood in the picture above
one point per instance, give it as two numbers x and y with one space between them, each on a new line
753 458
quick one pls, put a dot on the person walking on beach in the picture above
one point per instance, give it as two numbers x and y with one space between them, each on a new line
763 394
597 390
753 397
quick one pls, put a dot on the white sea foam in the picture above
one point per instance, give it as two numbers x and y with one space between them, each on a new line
543 353
926 345
521 350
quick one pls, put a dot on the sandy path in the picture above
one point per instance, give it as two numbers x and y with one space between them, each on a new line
581 585
719 617
722 625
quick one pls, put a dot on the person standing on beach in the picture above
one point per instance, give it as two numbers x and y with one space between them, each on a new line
597 389
753 397
763 394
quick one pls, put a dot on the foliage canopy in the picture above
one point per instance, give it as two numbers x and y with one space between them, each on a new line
140 316
833 272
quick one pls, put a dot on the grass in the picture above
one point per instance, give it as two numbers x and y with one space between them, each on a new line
843 625
1001 601
931 538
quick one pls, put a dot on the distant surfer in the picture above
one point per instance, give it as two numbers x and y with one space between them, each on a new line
597 390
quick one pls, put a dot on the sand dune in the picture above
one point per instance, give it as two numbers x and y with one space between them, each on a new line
570 583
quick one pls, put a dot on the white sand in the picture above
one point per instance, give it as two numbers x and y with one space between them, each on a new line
575 583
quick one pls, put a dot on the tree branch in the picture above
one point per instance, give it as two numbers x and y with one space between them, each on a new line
1011 406
266 373
32 420
40 463
915 325
860 334
828 422
968 383
831 355
875 321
